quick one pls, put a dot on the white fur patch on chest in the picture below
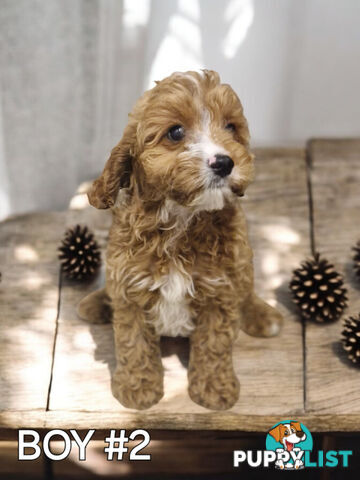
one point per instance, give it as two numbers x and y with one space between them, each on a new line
171 314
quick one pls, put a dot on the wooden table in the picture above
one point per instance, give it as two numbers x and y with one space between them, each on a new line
55 369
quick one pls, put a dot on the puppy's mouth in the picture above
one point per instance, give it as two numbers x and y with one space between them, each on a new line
289 445
218 183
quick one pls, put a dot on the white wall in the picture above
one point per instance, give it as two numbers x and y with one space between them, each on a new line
294 63
71 69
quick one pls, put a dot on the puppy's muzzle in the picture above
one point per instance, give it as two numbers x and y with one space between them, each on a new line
222 165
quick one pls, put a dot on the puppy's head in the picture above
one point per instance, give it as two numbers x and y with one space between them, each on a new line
187 141
288 434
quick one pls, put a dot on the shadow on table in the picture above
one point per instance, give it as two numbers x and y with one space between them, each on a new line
105 349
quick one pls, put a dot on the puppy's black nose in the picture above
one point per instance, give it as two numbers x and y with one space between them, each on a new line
222 165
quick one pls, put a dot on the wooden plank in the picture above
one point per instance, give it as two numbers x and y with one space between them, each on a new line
222 421
102 421
277 208
29 299
84 353
333 384
29 294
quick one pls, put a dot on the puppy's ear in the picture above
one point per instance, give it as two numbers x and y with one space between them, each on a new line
276 433
116 173
296 425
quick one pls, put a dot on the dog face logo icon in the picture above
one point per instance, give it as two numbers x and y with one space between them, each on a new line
289 439
288 434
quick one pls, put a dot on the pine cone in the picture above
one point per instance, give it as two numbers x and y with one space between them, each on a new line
357 259
351 338
79 255
318 290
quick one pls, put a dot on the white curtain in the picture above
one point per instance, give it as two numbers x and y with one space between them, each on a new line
70 71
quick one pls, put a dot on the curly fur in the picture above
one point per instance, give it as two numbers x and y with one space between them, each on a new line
178 258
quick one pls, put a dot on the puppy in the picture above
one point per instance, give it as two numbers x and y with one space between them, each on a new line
288 434
178 260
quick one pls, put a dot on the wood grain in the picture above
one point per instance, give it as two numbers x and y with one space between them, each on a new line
333 383
102 421
29 295
84 356
29 298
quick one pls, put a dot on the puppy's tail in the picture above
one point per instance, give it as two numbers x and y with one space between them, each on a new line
95 307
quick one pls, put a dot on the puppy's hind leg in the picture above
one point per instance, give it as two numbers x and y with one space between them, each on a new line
260 319
95 307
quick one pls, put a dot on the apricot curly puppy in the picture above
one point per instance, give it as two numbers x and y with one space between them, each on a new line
178 260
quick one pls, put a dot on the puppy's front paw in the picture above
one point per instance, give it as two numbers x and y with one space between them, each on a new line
138 392
218 391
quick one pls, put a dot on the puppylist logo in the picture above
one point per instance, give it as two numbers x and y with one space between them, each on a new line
289 446
289 440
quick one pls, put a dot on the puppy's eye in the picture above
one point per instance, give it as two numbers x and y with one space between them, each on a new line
176 133
230 126
286 432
